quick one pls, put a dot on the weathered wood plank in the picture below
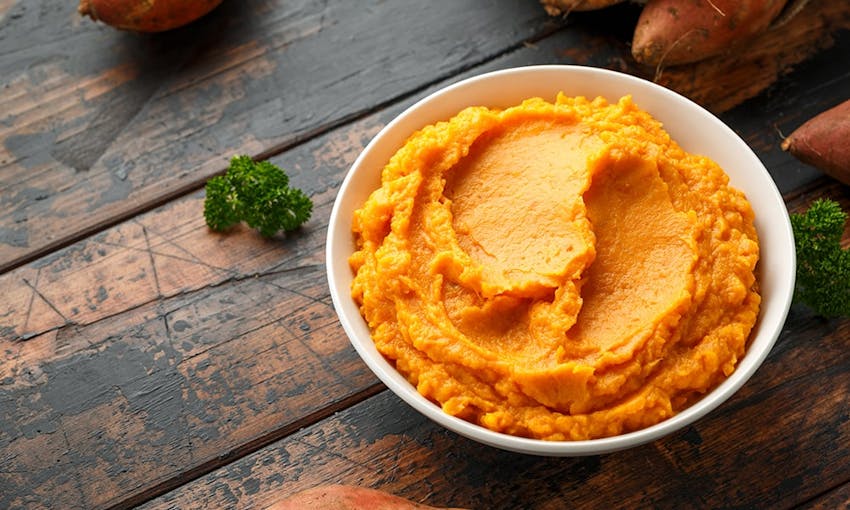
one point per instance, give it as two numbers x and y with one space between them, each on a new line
98 124
191 329
836 499
157 349
162 277
93 135
47 293
150 326
171 387
187 305
386 445
792 415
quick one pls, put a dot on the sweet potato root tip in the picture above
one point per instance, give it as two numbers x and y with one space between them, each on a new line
822 142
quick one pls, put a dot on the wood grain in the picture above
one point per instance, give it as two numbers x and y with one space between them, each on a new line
169 250
785 417
192 346
135 401
163 292
154 352
98 125
836 499
162 306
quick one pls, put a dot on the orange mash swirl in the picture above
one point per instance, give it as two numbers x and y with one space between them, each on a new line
561 271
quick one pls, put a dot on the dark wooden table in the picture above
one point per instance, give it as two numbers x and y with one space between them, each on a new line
147 361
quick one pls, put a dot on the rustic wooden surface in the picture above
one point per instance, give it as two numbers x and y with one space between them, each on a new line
146 361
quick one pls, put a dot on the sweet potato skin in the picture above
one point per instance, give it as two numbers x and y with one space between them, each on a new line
673 32
346 497
824 142
146 16
558 7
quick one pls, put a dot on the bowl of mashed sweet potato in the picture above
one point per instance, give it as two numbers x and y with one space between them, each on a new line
560 260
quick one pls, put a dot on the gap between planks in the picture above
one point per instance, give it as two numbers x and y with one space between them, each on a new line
248 448
193 186
813 501
190 187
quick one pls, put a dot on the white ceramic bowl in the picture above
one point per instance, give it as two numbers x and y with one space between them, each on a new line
694 128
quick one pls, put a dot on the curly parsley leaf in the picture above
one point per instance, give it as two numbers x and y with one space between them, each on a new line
257 193
823 266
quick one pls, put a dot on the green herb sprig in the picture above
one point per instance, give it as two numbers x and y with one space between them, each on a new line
823 266
257 193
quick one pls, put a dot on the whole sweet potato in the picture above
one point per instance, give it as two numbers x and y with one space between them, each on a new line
558 7
146 15
683 31
824 142
346 497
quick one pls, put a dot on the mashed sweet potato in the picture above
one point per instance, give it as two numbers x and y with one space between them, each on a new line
561 270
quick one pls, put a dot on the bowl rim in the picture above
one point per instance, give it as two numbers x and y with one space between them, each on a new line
762 338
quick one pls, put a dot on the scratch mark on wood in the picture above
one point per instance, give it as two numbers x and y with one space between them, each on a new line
153 264
225 342
169 255
44 298
396 458
32 300
333 453
94 322
192 256
263 277
151 251
233 275
77 483
321 359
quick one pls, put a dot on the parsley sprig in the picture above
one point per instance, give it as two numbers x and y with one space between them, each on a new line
257 193
823 266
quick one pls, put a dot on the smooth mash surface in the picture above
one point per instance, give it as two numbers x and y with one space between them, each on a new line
560 270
